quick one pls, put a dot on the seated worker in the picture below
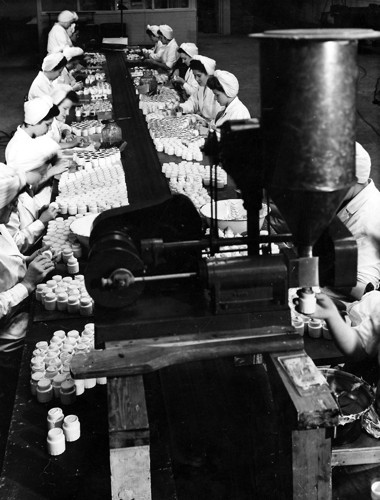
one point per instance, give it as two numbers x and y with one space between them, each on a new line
225 87
29 148
59 37
64 98
168 56
19 275
202 102
72 55
154 53
72 30
187 85
43 84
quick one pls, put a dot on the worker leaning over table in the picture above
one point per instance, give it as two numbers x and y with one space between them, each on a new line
202 102
225 87
64 98
59 37
167 58
28 149
188 84
19 275
51 69
72 55
155 52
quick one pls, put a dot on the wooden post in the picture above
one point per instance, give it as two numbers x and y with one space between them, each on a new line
129 439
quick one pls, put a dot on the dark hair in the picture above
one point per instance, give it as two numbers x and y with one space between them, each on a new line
214 84
73 96
150 32
60 65
53 111
198 66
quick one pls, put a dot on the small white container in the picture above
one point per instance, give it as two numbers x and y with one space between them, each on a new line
314 328
55 418
71 428
101 380
34 379
72 265
57 382
307 301
50 302
56 444
44 391
67 392
73 304
79 386
86 307
375 490
89 383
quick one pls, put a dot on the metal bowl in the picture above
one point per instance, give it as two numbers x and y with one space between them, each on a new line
82 228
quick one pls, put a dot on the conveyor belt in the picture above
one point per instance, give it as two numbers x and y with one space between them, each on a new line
145 183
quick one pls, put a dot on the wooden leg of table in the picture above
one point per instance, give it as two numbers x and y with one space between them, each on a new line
311 464
129 439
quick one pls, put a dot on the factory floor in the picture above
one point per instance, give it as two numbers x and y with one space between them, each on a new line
238 54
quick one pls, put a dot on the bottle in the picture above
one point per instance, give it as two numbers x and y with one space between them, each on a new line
67 392
56 444
44 391
307 301
71 428
54 418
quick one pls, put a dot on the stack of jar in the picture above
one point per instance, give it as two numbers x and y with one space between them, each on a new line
66 294
87 127
173 170
176 147
50 366
58 236
95 58
100 186
92 109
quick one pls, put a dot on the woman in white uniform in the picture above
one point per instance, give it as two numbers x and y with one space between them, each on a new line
154 53
19 275
168 57
188 83
72 55
43 84
202 102
59 37
31 148
64 98
225 87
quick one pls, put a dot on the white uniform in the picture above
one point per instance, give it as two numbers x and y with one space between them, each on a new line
24 226
234 111
361 217
65 78
202 102
12 271
41 86
365 318
58 39
157 50
56 130
170 55
191 85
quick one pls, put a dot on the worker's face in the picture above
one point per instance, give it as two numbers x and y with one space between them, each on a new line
66 25
53 75
185 58
221 97
163 39
200 77
154 38
5 212
64 110
42 128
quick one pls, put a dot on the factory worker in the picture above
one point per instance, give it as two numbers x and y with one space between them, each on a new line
188 83
19 275
72 55
169 55
359 212
52 67
154 53
72 30
59 37
225 87
202 102
64 98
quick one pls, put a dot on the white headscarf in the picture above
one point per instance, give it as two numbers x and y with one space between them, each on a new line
39 151
66 16
51 61
11 182
166 31
70 52
59 93
36 109
208 63
228 81
362 164
189 48
153 28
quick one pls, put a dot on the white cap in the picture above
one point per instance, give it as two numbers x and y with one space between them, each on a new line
66 16
60 93
36 109
70 52
40 151
208 63
228 81
51 61
166 31
75 16
153 28
189 48
11 182
362 164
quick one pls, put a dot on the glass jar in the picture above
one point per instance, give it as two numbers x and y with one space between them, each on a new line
149 79
111 134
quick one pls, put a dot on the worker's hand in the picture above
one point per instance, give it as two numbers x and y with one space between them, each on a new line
324 309
178 79
58 168
72 141
35 254
48 215
78 86
36 272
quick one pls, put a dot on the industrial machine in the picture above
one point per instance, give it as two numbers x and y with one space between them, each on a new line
146 271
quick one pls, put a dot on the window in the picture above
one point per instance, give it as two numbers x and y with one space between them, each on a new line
171 4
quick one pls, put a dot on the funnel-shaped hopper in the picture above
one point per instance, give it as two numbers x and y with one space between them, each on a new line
308 118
